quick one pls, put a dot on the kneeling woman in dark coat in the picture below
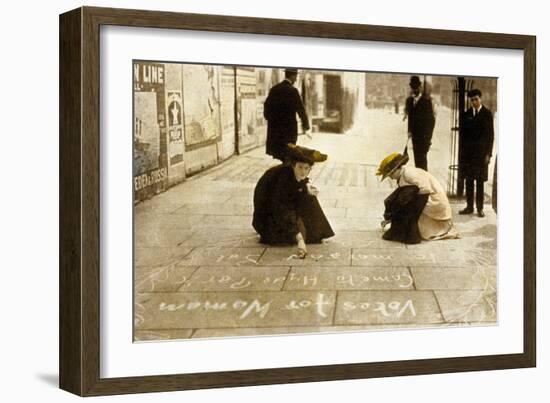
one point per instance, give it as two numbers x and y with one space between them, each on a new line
286 209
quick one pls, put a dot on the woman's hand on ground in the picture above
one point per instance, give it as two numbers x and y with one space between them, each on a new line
302 253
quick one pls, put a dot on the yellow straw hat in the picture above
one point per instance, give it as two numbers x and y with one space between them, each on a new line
391 163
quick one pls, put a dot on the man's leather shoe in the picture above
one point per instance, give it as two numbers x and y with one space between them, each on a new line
480 213
467 210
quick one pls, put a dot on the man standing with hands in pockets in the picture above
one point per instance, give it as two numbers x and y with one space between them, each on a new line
419 111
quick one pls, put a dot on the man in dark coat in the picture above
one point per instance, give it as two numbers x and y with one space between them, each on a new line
476 149
280 108
421 121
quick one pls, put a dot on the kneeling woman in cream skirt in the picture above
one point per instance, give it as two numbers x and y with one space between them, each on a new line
418 209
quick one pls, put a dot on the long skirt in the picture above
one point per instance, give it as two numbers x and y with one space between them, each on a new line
431 229
311 220
404 208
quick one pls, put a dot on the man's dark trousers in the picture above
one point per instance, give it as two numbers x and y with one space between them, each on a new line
480 194
420 151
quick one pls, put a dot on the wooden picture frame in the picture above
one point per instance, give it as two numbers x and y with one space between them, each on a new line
80 199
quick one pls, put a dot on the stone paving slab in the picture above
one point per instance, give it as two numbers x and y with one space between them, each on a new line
379 257
142 272
327 202
463 243
205 181
478 257
430 258
386 307
162 334
366 204
334 212
222 256
230 209
363 239
478 239
489 244
355 195
318 255
162 237
198 197
235 188
247 278
224 238
235 164
453 278
159 257
163 279
202 180
216 222
262 331
471 222
473 225
355 224
346 278
242 200
250 173
157 205
378 190
474 324
160 222
365 212
468 306
233 309
475 239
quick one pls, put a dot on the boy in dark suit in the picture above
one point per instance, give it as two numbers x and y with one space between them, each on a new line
476 146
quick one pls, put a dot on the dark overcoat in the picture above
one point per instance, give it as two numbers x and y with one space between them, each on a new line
421 120
280 201
476 143
280 108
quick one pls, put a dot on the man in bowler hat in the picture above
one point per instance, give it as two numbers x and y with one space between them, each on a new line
476 149
421 121
280 108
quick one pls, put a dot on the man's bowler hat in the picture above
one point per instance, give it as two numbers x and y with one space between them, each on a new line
415 82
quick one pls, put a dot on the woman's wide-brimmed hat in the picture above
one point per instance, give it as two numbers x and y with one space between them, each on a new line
304 154
391 163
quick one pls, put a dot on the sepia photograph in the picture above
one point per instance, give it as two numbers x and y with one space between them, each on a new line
276 200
